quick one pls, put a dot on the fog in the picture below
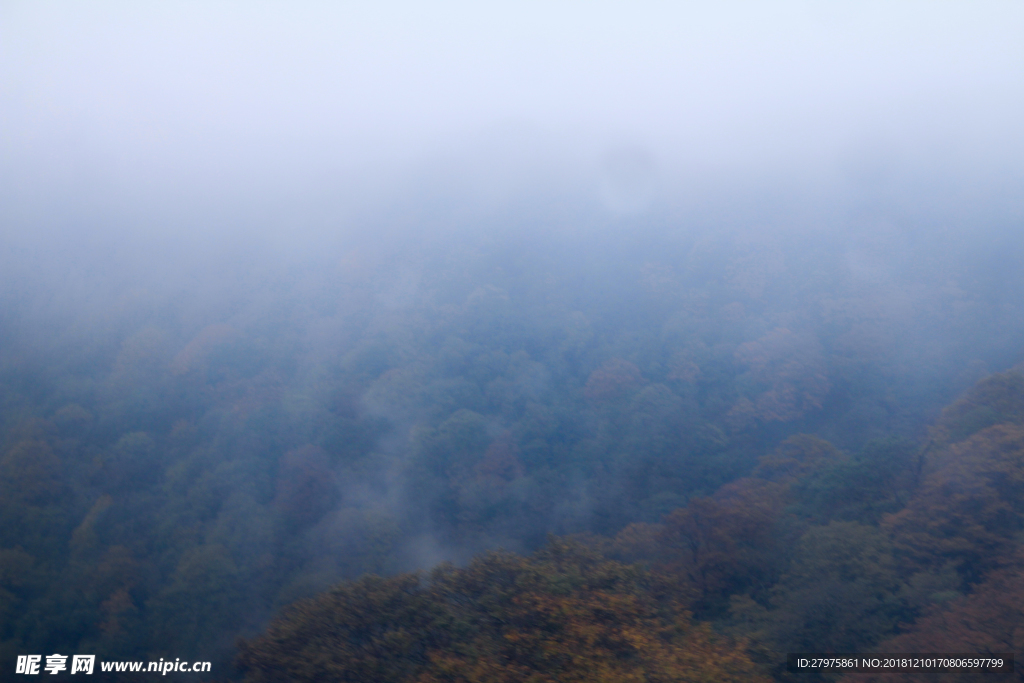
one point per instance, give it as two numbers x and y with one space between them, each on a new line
166 116
297 293
214 128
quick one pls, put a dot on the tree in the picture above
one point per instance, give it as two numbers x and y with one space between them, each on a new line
614 380
306 487
788 376
842 592
877 481
989 620
724 544
198 604
971 510
564 614
995 399
798 456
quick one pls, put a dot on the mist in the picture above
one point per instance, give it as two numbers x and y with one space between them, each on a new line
213 129
296 294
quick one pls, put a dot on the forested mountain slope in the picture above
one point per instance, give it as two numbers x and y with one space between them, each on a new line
180 462
899 548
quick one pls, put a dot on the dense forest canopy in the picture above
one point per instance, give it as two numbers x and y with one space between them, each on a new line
182 461
342 344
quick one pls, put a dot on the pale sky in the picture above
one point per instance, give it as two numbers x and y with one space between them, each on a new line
114 102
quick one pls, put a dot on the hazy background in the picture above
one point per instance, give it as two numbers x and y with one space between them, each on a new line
161 146
277 123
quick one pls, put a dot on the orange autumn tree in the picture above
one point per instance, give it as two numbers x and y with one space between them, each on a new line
970 511
996 399
724 543
564 614
787 375
731 541
612 381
